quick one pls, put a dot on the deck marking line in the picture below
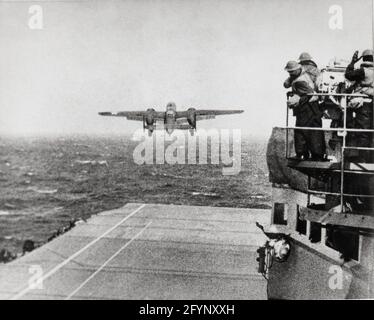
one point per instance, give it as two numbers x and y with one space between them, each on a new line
106 262
63 263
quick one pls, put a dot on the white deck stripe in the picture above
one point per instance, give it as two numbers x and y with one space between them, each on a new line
106 262
59 266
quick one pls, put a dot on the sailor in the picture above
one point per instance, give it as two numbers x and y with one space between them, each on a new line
362 106
309 144
308 66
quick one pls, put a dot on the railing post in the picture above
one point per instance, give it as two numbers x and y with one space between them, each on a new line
287 131
344 107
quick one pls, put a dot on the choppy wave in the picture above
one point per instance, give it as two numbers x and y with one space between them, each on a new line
47 183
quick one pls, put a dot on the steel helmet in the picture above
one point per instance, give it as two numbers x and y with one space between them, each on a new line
292 65
305 56
367 52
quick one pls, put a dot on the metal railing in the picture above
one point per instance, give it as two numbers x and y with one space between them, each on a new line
341 132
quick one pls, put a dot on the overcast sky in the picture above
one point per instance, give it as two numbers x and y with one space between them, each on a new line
107 55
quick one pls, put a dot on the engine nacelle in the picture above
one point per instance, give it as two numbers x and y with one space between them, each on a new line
191 117
150 117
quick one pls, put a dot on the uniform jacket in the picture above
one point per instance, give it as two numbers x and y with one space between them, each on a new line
307 113
310 67
364 77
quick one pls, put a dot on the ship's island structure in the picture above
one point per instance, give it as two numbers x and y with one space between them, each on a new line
331 245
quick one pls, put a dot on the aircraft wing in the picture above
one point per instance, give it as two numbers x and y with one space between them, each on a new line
205 117
183 119
216 112
207 114
133 115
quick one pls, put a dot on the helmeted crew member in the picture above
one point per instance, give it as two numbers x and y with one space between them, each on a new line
310 67
363 107
308 143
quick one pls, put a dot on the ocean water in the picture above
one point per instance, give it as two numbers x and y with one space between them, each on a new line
47 182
